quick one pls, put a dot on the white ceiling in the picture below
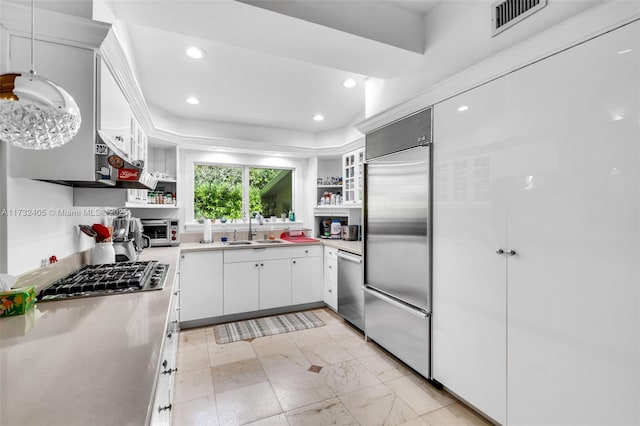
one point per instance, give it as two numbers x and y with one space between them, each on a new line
264 67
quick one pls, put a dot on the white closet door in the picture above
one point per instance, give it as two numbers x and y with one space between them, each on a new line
469 277
573 286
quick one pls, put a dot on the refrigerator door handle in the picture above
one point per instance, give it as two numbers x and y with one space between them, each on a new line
399 305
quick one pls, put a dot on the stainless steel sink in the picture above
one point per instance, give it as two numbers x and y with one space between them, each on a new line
268 241
239 243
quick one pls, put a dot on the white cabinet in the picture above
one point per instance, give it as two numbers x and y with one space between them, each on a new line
306 274
72 68
469 288
544 163
275 283
201 293
114 117
353 176
330 276
241 287
256 279
163 397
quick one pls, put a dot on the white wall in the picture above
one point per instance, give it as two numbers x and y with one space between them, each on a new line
42 222
458 35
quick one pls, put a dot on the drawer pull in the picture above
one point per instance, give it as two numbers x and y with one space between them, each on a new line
169 371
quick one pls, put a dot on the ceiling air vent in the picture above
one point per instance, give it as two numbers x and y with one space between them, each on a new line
506 13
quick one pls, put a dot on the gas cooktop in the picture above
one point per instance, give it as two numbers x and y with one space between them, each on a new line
107 279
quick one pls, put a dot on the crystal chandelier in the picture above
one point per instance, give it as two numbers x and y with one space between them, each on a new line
36 113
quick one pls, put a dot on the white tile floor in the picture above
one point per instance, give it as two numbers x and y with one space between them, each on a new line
322 376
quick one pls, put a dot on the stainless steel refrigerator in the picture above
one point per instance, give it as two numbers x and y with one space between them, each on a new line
397 242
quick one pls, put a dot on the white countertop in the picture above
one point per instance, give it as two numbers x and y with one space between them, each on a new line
354 247
93 361
90 361
350 246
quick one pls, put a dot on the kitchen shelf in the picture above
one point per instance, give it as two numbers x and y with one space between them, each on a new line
338 206
150 206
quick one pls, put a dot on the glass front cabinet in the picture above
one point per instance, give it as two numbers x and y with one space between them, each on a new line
353 176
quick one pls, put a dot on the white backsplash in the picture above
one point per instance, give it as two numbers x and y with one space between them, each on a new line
42 222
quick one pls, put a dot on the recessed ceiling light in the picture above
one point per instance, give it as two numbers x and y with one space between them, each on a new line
349 83
624 51
463 108
318 117
195 52
193 101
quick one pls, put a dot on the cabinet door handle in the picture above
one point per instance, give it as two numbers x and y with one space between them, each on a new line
166 407
330 266
257 265
512 253
294 261
262 264
499 251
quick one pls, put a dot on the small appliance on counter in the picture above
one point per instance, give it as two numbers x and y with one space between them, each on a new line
128 240
351 232
162 232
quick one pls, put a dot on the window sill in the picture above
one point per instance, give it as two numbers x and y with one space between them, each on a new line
243 226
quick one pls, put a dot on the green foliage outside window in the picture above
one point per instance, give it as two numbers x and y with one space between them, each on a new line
218 191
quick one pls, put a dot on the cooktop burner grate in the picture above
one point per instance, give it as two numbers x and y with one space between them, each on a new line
110 278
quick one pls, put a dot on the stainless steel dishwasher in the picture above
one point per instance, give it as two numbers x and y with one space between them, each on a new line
351 288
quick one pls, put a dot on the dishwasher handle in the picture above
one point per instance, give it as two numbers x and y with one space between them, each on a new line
348 256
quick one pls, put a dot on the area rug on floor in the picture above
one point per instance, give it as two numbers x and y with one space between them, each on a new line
250 329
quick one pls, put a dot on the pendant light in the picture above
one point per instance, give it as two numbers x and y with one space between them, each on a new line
36 113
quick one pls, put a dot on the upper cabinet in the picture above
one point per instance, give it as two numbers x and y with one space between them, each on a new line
353 176
116 121
69 55
74 69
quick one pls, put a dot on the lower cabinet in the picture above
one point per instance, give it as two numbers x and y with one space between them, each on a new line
275 283
162 402
256 279
330 276
201 293
239 280
306 274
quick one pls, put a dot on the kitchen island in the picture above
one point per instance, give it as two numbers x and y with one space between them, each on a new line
88 361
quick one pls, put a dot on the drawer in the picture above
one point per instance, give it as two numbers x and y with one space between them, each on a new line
258 253
306 251
331 253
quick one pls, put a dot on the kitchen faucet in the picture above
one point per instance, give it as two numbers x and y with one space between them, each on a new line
260 220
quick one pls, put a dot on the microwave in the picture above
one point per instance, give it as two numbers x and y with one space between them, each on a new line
161 232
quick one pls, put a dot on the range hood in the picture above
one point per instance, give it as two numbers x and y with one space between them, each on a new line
113 169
